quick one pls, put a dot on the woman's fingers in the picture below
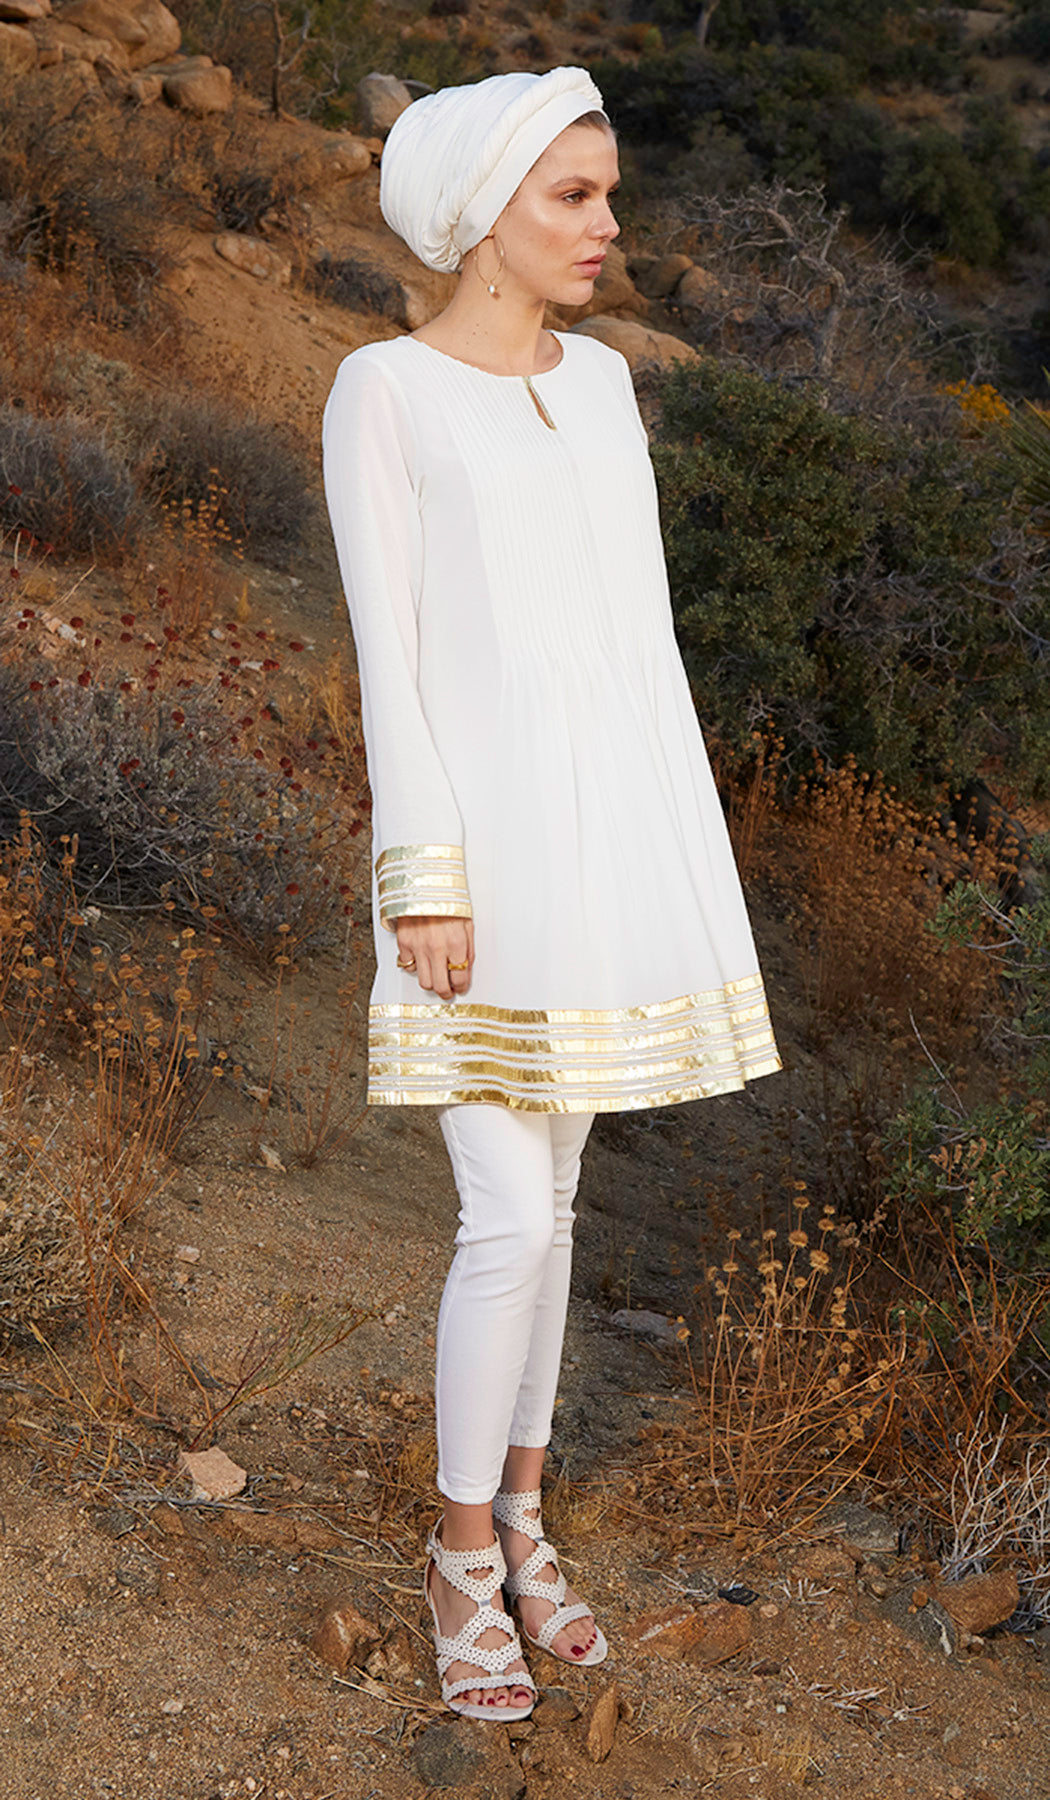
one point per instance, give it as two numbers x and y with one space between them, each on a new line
432 944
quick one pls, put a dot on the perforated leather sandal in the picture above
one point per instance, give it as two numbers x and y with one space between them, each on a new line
514 1510
455 1566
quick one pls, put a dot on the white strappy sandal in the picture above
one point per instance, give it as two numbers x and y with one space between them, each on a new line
455 1566
514 1510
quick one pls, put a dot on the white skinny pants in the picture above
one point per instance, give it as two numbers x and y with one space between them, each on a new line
502 1316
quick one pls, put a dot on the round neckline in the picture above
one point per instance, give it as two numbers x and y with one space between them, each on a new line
492 374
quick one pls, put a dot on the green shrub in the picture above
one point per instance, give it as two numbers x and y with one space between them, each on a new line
990 1162
1030 33
855 584
61 482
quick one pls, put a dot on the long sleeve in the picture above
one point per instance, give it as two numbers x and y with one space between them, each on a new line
369 459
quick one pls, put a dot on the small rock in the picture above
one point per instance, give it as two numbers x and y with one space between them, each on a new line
864 1529
200 90
343 1639
187 1253
173 1707
650 1325
702 1634
929 1624
981 1601
269 1158
556 1706
467 1753
253 256
146 90
381 99
214 1475
599 1723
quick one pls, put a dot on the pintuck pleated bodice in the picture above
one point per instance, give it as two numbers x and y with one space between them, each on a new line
534 754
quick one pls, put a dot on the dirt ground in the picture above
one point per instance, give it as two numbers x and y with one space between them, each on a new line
153 1647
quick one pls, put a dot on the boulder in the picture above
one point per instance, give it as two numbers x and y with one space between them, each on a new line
17 50
20 12
199 87
342 158
58 42
698 290
381 99
145 29
466 1754
637 342
658 276
253 256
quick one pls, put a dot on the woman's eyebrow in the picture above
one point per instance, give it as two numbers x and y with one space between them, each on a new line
583 181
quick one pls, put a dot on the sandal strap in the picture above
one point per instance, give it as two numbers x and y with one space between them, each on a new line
455 1566
526 1579
562 1616
449 1689
463 1647
514 1510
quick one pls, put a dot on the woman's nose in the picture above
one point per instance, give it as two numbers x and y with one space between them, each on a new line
606 224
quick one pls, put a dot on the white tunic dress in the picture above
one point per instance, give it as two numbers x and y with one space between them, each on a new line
532 746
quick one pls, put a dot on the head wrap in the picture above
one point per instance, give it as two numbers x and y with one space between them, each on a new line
453 159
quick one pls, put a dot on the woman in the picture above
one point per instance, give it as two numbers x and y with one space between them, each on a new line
537 773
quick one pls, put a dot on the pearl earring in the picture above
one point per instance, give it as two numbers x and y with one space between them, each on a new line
491 285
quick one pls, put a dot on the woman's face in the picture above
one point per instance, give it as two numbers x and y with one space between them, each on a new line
557 227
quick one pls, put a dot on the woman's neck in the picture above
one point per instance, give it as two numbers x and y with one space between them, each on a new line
503 334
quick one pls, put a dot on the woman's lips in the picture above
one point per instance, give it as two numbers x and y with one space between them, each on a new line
592 266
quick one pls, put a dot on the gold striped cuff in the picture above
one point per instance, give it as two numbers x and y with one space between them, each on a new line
571 1061
422 878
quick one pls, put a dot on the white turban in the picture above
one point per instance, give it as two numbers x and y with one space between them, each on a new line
453 159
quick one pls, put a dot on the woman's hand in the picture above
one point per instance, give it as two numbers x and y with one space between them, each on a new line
432 943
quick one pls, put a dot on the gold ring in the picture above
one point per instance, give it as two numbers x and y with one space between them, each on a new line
463 965
404 965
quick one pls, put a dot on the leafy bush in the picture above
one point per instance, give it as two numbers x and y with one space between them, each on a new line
861 587
61 482
249 475
991 1161
797 106
1030 33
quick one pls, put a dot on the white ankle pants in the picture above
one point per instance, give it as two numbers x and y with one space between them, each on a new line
502 1316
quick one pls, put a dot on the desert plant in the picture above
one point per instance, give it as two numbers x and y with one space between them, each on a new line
62 483
167 808
864 589
248 475
989 1160
77 200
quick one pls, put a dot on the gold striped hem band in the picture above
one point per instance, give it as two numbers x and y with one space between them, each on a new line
571 1060
422 878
